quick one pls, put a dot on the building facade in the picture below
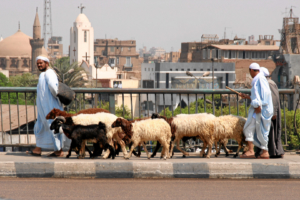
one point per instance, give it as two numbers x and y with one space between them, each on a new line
173 76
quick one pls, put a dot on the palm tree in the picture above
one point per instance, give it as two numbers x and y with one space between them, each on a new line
77 78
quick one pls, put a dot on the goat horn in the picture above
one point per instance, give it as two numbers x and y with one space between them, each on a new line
61 118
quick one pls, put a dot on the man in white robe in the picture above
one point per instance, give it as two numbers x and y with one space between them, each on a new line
46 100
257 127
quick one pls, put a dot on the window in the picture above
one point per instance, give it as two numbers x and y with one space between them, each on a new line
254 54
145 69
204 54
208 53
208 70
188 69
240 54
103 52
222 69
128 62
85 36
194 69
119 76
226 54
233 54
201 69
148 69
176 69
121 48
167 80
148 84
182 69
118 60
74 36
112 49
170 69
219 53
111 62
129 48
215 69
152 69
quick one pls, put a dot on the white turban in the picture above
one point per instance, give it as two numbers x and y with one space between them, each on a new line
254 66
42 58
265 71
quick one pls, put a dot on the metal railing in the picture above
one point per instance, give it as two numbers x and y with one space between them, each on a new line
85 98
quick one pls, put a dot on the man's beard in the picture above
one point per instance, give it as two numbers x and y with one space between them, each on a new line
43 70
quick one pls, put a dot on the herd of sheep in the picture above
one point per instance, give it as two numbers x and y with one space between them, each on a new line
111 133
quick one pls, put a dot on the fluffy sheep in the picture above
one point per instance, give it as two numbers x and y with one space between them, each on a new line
78 133
56 112
195 125
229 127
146 130
107 119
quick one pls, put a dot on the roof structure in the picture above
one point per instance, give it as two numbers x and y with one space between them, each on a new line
14 116
248 47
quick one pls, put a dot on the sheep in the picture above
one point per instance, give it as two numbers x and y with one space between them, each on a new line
78 133
56 112
196 125
107 119
145 130
229 127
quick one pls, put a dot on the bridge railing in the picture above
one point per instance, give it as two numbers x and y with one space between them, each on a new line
19 112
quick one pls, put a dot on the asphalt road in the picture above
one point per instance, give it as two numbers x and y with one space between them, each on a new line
25 188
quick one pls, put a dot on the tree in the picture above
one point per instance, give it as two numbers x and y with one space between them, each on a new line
4 81
24 80
75 79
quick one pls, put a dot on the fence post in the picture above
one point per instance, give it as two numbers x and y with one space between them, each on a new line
112 103
296 95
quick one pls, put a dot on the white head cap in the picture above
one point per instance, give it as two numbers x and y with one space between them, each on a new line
254 66
265 71
44 58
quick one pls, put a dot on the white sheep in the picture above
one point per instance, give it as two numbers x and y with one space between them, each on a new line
107 119
195 125
229 127
146 130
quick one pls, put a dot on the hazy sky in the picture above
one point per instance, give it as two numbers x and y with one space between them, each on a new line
158 23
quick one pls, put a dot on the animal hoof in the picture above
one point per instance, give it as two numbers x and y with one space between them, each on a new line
152 156
227 154
148 158
79 157
235 156
183 156
67 156
208 157
165 158
216 155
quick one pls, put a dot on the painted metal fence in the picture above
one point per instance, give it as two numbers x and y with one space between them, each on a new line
14 99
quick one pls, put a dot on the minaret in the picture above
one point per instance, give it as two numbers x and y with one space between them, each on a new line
36 43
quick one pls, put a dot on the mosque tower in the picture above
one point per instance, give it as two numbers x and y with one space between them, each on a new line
36 43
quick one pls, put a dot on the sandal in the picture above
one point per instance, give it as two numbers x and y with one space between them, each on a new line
245 156
33 154
262 157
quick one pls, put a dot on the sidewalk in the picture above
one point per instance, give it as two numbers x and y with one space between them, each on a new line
13 164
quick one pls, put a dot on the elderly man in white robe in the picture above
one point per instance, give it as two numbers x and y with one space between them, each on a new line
257 127
46 100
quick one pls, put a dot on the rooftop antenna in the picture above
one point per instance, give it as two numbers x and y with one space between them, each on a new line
291 11
19 26
47 26
225 32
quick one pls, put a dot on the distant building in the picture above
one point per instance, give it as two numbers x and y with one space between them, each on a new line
18 51
120 54
55 49
173 75
172 57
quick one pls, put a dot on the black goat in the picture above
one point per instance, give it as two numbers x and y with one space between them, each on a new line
78 133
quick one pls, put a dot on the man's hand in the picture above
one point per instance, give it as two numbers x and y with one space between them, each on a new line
274 117
244 96
257 110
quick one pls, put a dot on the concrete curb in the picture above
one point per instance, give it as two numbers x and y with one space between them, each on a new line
105 169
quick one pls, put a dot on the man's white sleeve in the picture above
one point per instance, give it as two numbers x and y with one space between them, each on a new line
52 81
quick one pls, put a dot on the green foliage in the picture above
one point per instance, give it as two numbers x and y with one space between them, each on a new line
119 112
4 81
74 79
24 80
